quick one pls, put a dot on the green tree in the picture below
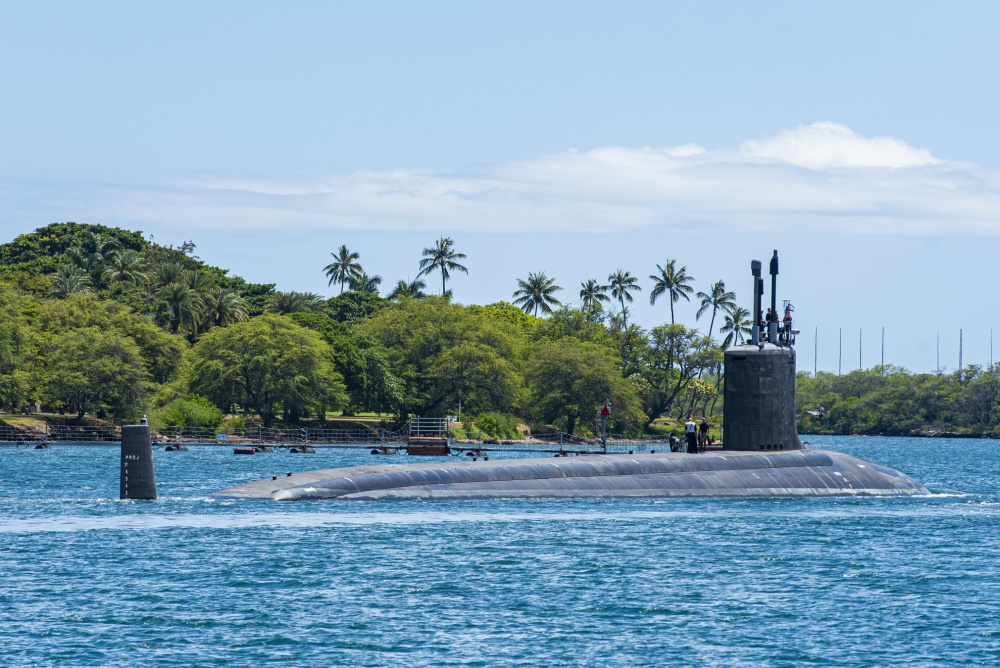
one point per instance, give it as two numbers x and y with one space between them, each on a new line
70 280
536 292
16 382
442 257
353 307
365 283
572 379
284 303
97 371
162 353
224 306
623 284
191 411
167 273
368 378
592 294
412 290
92 252
125 265
343 268
183 303
672 282
444 352
267 364
735 326
674 359
718 298
46 249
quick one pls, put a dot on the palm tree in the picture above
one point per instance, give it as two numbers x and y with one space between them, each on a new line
536 293
717 299
673 282
92 252
184 303
316 301
622 283
414 289
224 306
167 273
198 280
70 280
737 323
592 294
443 258
343 268
125 265
283 303
365 283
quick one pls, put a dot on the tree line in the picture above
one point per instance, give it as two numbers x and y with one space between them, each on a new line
891 401
99 321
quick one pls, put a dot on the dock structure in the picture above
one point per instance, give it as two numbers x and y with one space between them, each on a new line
428 437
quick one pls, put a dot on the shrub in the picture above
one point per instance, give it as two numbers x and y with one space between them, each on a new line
498 425
191 411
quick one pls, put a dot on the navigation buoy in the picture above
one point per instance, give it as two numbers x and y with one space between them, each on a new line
137 480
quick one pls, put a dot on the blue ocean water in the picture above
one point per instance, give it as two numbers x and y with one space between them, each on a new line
88 580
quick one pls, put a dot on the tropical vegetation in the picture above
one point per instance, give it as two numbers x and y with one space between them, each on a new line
102 323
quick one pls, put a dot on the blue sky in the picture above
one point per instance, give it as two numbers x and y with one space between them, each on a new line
573 138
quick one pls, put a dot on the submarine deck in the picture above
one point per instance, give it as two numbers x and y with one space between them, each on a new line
712 474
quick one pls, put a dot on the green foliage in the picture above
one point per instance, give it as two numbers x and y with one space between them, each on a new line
44 250
267 364
444 354
890 400
537 293
571 379
87 314
496 425
368 378
506 312
15 381
352 307
96 371
672 360
191 411
570 322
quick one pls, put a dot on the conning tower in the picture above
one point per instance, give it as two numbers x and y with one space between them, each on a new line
759 411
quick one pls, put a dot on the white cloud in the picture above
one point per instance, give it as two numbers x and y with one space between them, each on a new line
831 145
822 176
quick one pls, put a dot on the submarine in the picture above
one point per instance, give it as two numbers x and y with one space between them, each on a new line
762 454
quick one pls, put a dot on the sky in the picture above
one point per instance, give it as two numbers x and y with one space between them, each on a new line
575 138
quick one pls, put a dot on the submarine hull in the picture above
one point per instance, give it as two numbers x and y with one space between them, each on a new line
721 474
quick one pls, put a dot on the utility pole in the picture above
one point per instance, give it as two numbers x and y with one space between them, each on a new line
991 347
960 367
840 349
937 368
883 345
859 351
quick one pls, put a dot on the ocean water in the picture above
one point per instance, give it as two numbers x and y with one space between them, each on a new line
88 580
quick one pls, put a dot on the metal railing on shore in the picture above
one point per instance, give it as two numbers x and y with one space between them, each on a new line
321 436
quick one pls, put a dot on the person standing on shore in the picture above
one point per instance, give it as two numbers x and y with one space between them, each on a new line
690 431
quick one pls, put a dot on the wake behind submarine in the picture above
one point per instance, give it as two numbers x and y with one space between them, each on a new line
762 455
